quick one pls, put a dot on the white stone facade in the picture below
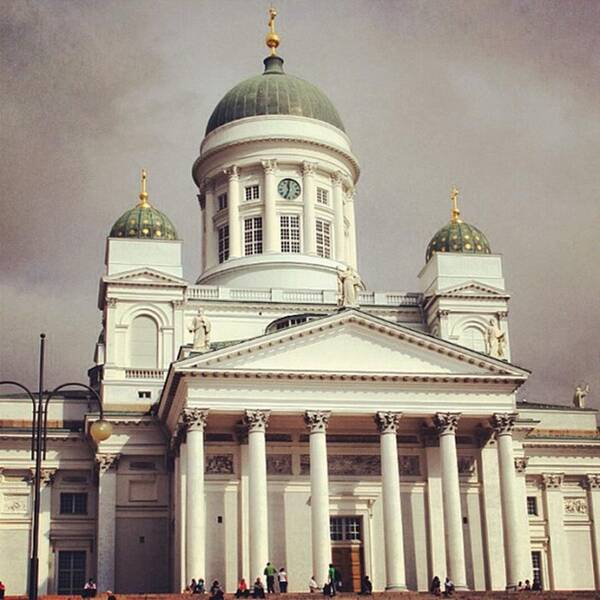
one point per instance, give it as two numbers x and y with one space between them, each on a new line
386 439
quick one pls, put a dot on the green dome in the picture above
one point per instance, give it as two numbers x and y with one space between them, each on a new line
146 222
457 236
274 93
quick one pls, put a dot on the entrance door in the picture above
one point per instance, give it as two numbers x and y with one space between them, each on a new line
347 551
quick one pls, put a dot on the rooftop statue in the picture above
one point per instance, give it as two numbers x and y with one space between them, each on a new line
580 395
349 284
200 327
495 340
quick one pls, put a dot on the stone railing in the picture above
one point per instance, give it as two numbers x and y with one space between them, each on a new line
144 373
299 296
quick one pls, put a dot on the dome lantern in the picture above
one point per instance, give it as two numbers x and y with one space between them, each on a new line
458 236
143 220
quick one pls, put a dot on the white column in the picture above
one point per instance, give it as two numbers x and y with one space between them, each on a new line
446 424
387 423
210 209
270 225
46 480
317 421
349 212
183 579
233 201
592 483
309 195
202 203
503 425
194 420
560 578
525 564
257 421
339 232
107 516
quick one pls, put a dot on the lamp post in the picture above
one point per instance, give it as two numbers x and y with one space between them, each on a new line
99 430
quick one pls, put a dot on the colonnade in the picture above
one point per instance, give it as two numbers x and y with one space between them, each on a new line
444 425
341 202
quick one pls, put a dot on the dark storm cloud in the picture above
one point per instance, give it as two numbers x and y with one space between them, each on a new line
501 98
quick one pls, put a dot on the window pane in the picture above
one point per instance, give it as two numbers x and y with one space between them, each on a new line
223 236
323 235
253 236
532 505
71 571
143 343
290 233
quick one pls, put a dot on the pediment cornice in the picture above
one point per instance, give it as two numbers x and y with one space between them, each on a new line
145 277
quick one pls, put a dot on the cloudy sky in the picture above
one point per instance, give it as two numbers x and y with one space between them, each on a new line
500 98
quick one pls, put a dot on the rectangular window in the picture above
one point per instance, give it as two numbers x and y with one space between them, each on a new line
253 236
345 529
252 192
532 508
222 201
322 196
323 238
142 395
290 233
536 563
71 572
73 503
223 233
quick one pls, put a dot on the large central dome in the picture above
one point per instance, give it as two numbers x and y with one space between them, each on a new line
274 93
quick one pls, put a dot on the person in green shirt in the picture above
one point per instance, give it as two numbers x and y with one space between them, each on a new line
270 572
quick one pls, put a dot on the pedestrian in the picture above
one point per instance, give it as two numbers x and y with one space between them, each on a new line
520 587
258 590
242 591
216 591
89 589
110 595
328 589
338 580
537 586
283 581
2 590
270 572
331 572
366 587
200 587
436 586
448 588
192 587
313 586
527 585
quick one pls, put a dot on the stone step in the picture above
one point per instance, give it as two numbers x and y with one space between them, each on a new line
561 595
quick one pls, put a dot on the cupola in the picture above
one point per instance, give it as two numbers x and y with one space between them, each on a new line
458 236
143 220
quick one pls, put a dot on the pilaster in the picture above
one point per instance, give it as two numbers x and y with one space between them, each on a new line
46 481
270 226
233 199
558 549
591 482
309 196
338 210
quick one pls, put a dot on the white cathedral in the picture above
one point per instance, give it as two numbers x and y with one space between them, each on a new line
277 410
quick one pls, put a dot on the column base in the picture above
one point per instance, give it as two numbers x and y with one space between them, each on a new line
511 588
396 588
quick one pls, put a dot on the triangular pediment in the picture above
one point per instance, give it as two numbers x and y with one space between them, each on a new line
473 289
350 342
145 276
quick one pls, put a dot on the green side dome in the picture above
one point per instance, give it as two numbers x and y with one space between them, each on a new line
457 236
274 93
144 221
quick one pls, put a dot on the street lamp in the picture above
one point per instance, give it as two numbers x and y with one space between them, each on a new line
99 431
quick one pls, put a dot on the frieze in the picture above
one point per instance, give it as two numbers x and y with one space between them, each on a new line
279 464
16 504
218 464
575 506
409 466
466 465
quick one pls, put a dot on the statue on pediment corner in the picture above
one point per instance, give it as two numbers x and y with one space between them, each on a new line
349 285
581 392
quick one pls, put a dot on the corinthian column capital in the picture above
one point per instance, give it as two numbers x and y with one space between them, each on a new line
446 423
317 420
257 420
105 462
503 423
232 172
309 168
388 422
270 166
194 418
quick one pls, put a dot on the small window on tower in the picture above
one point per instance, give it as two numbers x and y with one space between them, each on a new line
322 196
532 507
144 394
252 192
222 201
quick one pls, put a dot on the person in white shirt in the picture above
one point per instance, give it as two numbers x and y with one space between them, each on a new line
313 586
283 580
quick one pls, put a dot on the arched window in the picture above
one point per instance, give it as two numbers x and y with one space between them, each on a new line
143 343
472 337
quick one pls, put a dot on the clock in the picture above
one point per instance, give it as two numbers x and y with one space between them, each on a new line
289 189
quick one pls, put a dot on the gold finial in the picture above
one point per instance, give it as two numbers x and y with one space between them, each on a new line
143 193
455 211
272 39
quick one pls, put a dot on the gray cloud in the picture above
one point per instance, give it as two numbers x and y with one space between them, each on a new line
501 98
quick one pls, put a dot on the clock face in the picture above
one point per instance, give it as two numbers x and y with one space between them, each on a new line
289 189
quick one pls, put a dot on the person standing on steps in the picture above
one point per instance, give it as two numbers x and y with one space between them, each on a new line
270 572
331 579
283 580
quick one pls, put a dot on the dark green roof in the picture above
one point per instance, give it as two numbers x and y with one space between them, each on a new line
457 236
146 222
274 93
